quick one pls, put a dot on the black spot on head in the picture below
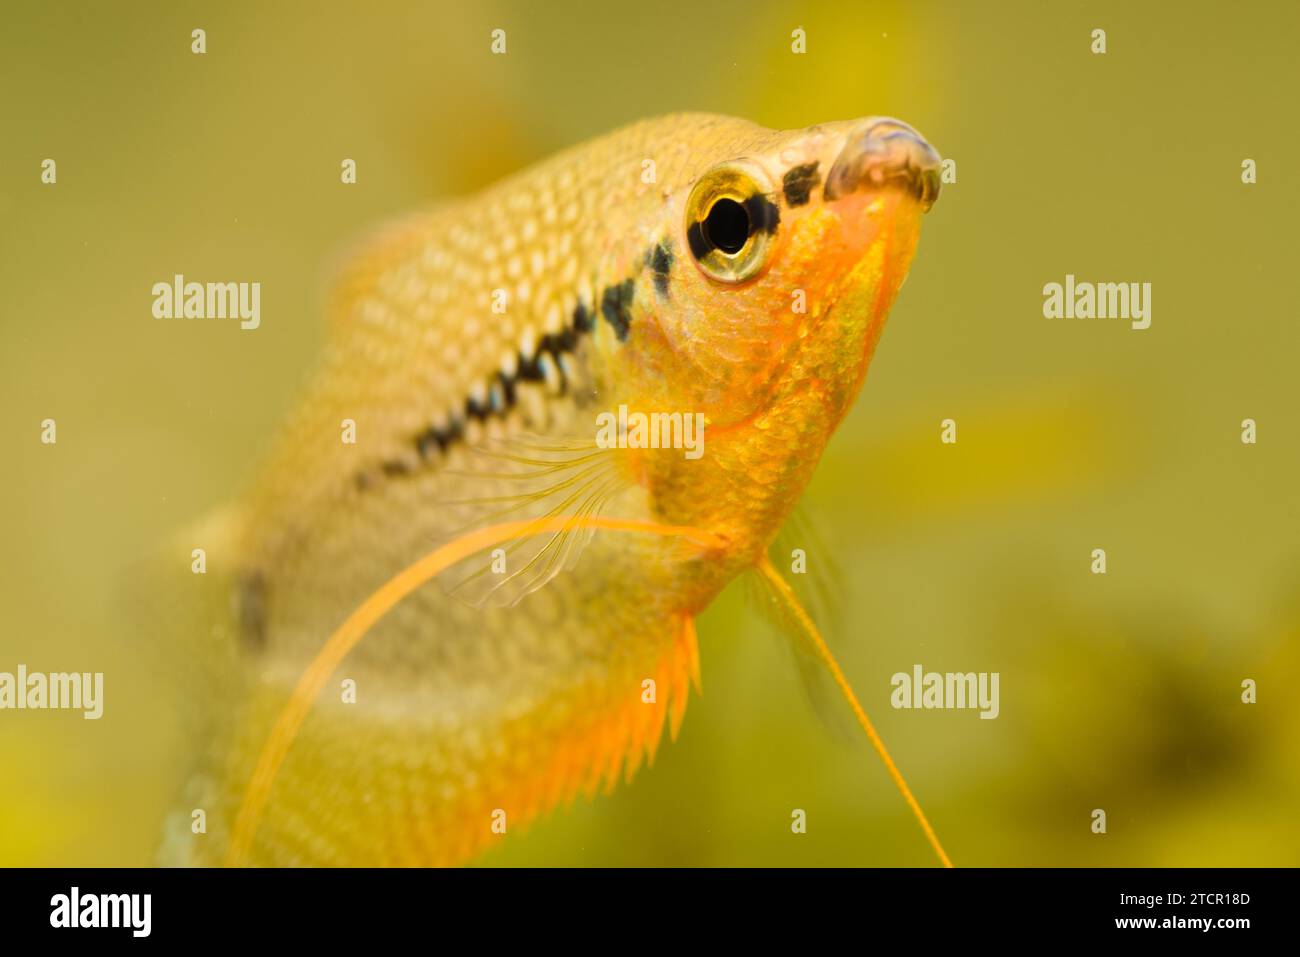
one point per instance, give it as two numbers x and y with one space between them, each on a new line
798 183
661 258
616 307
661 264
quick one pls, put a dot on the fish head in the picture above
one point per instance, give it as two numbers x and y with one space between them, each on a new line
792 253
790 248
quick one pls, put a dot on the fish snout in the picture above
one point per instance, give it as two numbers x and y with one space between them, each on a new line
886 152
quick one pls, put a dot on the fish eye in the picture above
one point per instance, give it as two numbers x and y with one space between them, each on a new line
727 226
729 222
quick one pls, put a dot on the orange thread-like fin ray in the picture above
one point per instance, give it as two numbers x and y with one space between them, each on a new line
783 591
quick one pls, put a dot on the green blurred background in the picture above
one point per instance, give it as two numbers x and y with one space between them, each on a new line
1119 692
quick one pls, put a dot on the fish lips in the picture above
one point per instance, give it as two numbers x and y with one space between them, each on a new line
886 153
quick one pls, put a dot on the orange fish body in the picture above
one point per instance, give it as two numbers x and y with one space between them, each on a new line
688 269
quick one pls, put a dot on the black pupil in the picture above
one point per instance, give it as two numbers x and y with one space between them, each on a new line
727 226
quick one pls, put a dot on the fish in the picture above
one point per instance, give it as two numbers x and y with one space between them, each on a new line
495 608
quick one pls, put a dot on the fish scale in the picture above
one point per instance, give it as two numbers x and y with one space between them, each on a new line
467 709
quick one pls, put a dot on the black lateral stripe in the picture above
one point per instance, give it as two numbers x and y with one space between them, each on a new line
558 342
428 441
559 371
529 368
582 321
763 214
616 307
508 389
503 391
434 439
550 349
798 183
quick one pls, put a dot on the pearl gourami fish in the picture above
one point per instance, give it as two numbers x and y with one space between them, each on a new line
726 284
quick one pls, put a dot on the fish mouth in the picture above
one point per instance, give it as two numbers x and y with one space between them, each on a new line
884 152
